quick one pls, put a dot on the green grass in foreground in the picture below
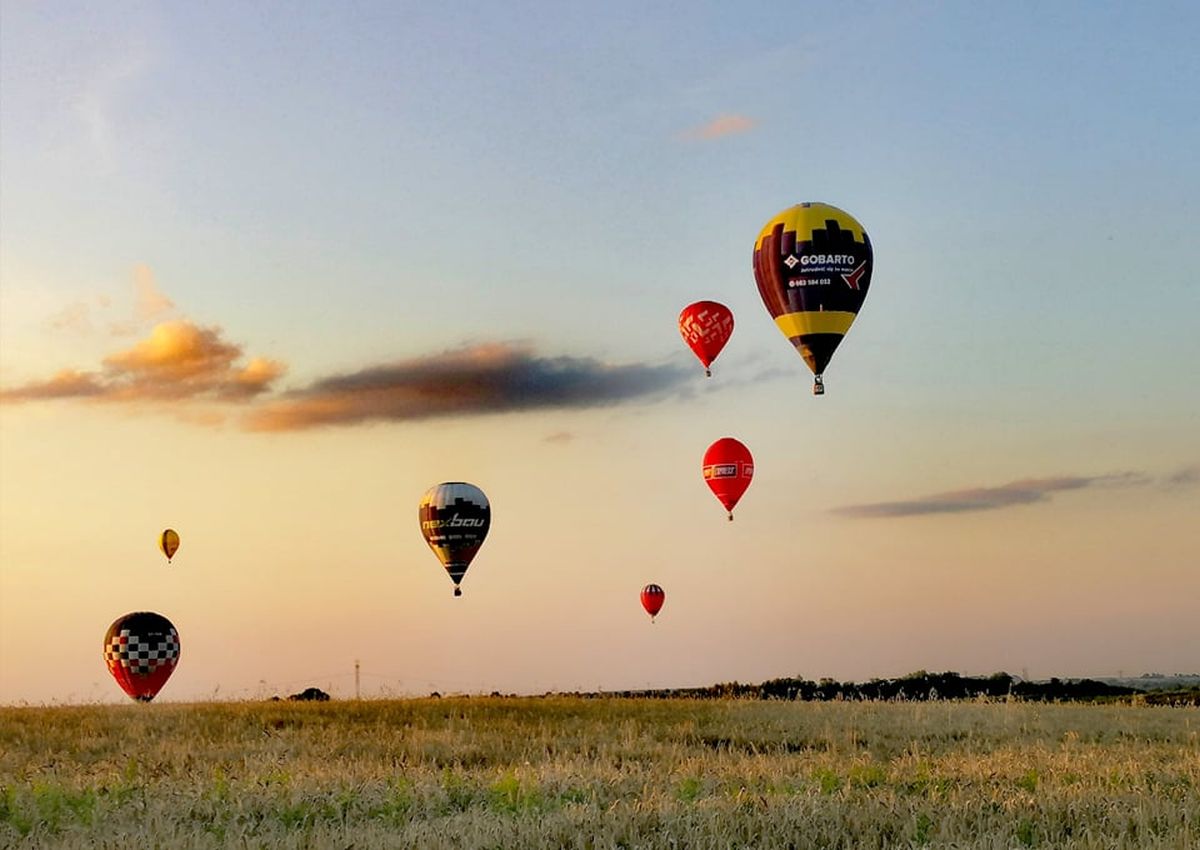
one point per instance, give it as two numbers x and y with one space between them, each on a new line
507 773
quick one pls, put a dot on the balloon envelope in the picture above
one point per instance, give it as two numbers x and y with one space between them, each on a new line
728 468
813 266
652 599
455 518
706 326
141 651
168 542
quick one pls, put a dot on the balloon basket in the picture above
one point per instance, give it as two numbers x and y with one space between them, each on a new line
818 386
458 591
708 373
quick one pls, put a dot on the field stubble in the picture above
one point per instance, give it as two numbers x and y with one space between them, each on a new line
606 773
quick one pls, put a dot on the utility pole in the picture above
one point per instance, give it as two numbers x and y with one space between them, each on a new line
356 692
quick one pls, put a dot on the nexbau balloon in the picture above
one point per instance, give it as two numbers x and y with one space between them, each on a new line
455 518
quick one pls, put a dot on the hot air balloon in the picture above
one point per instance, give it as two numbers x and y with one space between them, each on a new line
813 266
728 468
168 542
455 517
706 326
141 651
652 600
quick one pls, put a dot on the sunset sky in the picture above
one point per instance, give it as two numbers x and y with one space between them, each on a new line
270 271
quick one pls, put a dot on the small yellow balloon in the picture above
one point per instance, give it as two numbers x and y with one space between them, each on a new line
168 542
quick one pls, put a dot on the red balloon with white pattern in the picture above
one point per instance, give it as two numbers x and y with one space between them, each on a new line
728 469
706 326
141 651
653 598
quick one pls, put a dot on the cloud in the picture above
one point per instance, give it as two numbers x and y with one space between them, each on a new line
75 318
151 302
179 360
1188 476
1024 492
723 125
471 381
150 305
109 85
65 384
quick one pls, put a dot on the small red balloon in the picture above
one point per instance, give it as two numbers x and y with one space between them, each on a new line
728 468
706 326
652 599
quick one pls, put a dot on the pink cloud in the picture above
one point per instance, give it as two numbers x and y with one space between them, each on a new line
729 124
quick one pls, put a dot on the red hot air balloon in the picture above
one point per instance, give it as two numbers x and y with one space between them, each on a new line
652 600
141 651
728 468
706 326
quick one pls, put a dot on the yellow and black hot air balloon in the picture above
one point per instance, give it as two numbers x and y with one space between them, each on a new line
813 266
168 542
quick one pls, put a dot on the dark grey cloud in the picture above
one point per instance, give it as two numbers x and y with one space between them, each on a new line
1024 492
481 379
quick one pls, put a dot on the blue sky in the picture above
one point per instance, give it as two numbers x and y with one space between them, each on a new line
333 188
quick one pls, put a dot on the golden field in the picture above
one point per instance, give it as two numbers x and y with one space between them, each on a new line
600 773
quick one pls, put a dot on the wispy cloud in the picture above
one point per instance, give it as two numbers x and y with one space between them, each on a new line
75 318
68 383
472 381
151 304
109 85
179 360
729 124
1024 492
1188 476
559 438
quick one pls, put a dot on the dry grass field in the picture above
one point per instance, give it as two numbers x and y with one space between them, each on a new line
575 773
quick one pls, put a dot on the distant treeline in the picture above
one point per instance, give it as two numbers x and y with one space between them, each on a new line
920 686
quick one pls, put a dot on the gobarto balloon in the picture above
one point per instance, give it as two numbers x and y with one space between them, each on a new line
706 326
141 651
168 542
653 598
728 469
455 518
813 266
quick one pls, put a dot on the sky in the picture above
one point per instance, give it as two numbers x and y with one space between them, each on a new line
268 273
